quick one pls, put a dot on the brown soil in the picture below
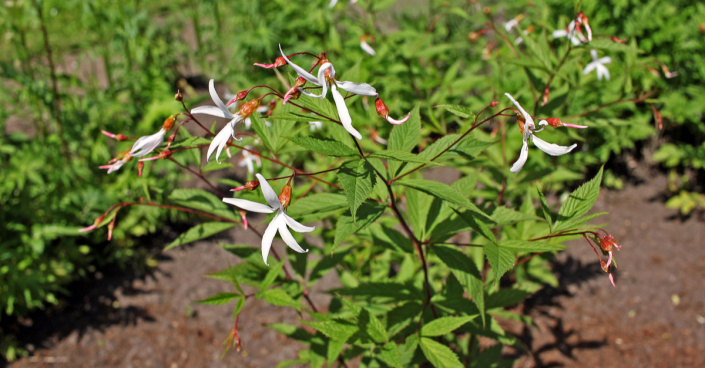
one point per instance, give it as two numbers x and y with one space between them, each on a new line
654 318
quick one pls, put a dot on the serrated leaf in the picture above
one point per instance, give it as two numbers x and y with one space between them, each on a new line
326 147
291 331
389 353
470 147
501 259
214 165
218 299
444 192
401 156
264 133
338 330
461 111
316 206
203 201
281 298
372 326
294 116
477 225
438 354
444 325
190 142
545 209
606 44
383 290
366 215
199 232
404 137
506 216
506 297
465 271
357 179
530 246
579 202
438 146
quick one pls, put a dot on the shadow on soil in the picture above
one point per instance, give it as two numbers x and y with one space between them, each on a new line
571 272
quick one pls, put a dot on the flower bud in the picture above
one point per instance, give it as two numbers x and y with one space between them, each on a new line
169 122
617 40
382 109
702 28
487 10
247 109
285 196
545 96
252 185
494 103
658 117
140 166
607 242
242 95
178 96
277 63
605 267
554 122
163 155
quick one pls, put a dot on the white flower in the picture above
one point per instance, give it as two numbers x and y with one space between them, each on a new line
248 159
116 163
315 125
326 79
147 144
598 65
573 31
281 221
221 111
529 128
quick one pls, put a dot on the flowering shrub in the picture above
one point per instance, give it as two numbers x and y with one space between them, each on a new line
426 267
419 260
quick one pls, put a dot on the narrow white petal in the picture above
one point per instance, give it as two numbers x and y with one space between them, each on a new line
309 94
269 194
332 3
213 111
219 142
551 148
560 33
322 77
216 99
526 115
249 205
589 67
575 41
147 144
343 113
268 237
367 48
362 89
589 31
605 60
593 54
301 72
297 226
288 238
116 166
523 156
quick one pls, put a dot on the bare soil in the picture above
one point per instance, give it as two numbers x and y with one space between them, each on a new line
655 317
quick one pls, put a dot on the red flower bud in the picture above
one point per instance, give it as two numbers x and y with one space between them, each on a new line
178 96
247 109
252 185
169 122
140 166
382 109
658 117
554 122
617 40
494 103
285 196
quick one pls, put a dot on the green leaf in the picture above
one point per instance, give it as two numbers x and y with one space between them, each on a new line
219 299
201 200
338 330
579 202
545 209
295 116
357 178
506 216
383 290
366 215
402 157
470 147
444 192
326 147
372 326
461 111
605 44
444 325
506 297
316 206
465 271
438 146
438 354
264 133
404 137
198 232
215 165
477 225
281 298
501 259
530 246
190 142
389 353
